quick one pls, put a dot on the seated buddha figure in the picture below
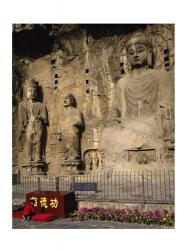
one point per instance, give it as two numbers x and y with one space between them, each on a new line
144 98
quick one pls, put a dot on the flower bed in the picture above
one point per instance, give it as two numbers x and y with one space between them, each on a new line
164 217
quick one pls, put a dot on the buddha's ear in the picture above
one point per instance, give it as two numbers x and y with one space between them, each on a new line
150 59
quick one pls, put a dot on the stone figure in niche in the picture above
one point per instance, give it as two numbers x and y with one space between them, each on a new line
144 98
72 124
32 122
95 160
88 161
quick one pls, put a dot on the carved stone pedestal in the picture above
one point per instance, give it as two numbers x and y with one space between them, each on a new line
35 168
72 166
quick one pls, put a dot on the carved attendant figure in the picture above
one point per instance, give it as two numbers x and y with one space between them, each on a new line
72 125
95 161
88 162
32 119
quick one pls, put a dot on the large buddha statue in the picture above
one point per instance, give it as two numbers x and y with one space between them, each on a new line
143 102
145 97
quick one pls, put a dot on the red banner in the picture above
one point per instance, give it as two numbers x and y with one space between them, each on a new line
59 204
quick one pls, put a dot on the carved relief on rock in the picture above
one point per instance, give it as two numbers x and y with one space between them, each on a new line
32 124
92 159
69 136
95 105
95 161
88 161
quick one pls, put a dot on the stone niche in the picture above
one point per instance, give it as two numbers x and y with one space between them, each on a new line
87 62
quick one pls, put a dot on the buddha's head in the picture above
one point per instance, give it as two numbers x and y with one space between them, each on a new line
69 100
32 89
138 50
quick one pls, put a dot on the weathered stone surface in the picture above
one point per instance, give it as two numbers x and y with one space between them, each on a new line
92 63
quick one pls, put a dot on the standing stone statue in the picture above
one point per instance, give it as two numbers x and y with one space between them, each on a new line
88 162
95 160
72 125
32 119
143 96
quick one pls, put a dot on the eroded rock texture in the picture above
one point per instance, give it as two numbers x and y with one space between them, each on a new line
91 63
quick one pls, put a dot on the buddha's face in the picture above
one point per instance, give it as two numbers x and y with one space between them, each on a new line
31 93
67 101
138 55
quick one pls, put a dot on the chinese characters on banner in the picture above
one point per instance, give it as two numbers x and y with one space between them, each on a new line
44 202
59 204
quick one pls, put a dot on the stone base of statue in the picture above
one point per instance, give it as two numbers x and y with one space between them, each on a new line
71 165
131 148
34 167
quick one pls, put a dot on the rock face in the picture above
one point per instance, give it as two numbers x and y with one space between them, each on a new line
92 63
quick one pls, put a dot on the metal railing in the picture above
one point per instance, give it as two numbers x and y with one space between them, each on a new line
156 186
